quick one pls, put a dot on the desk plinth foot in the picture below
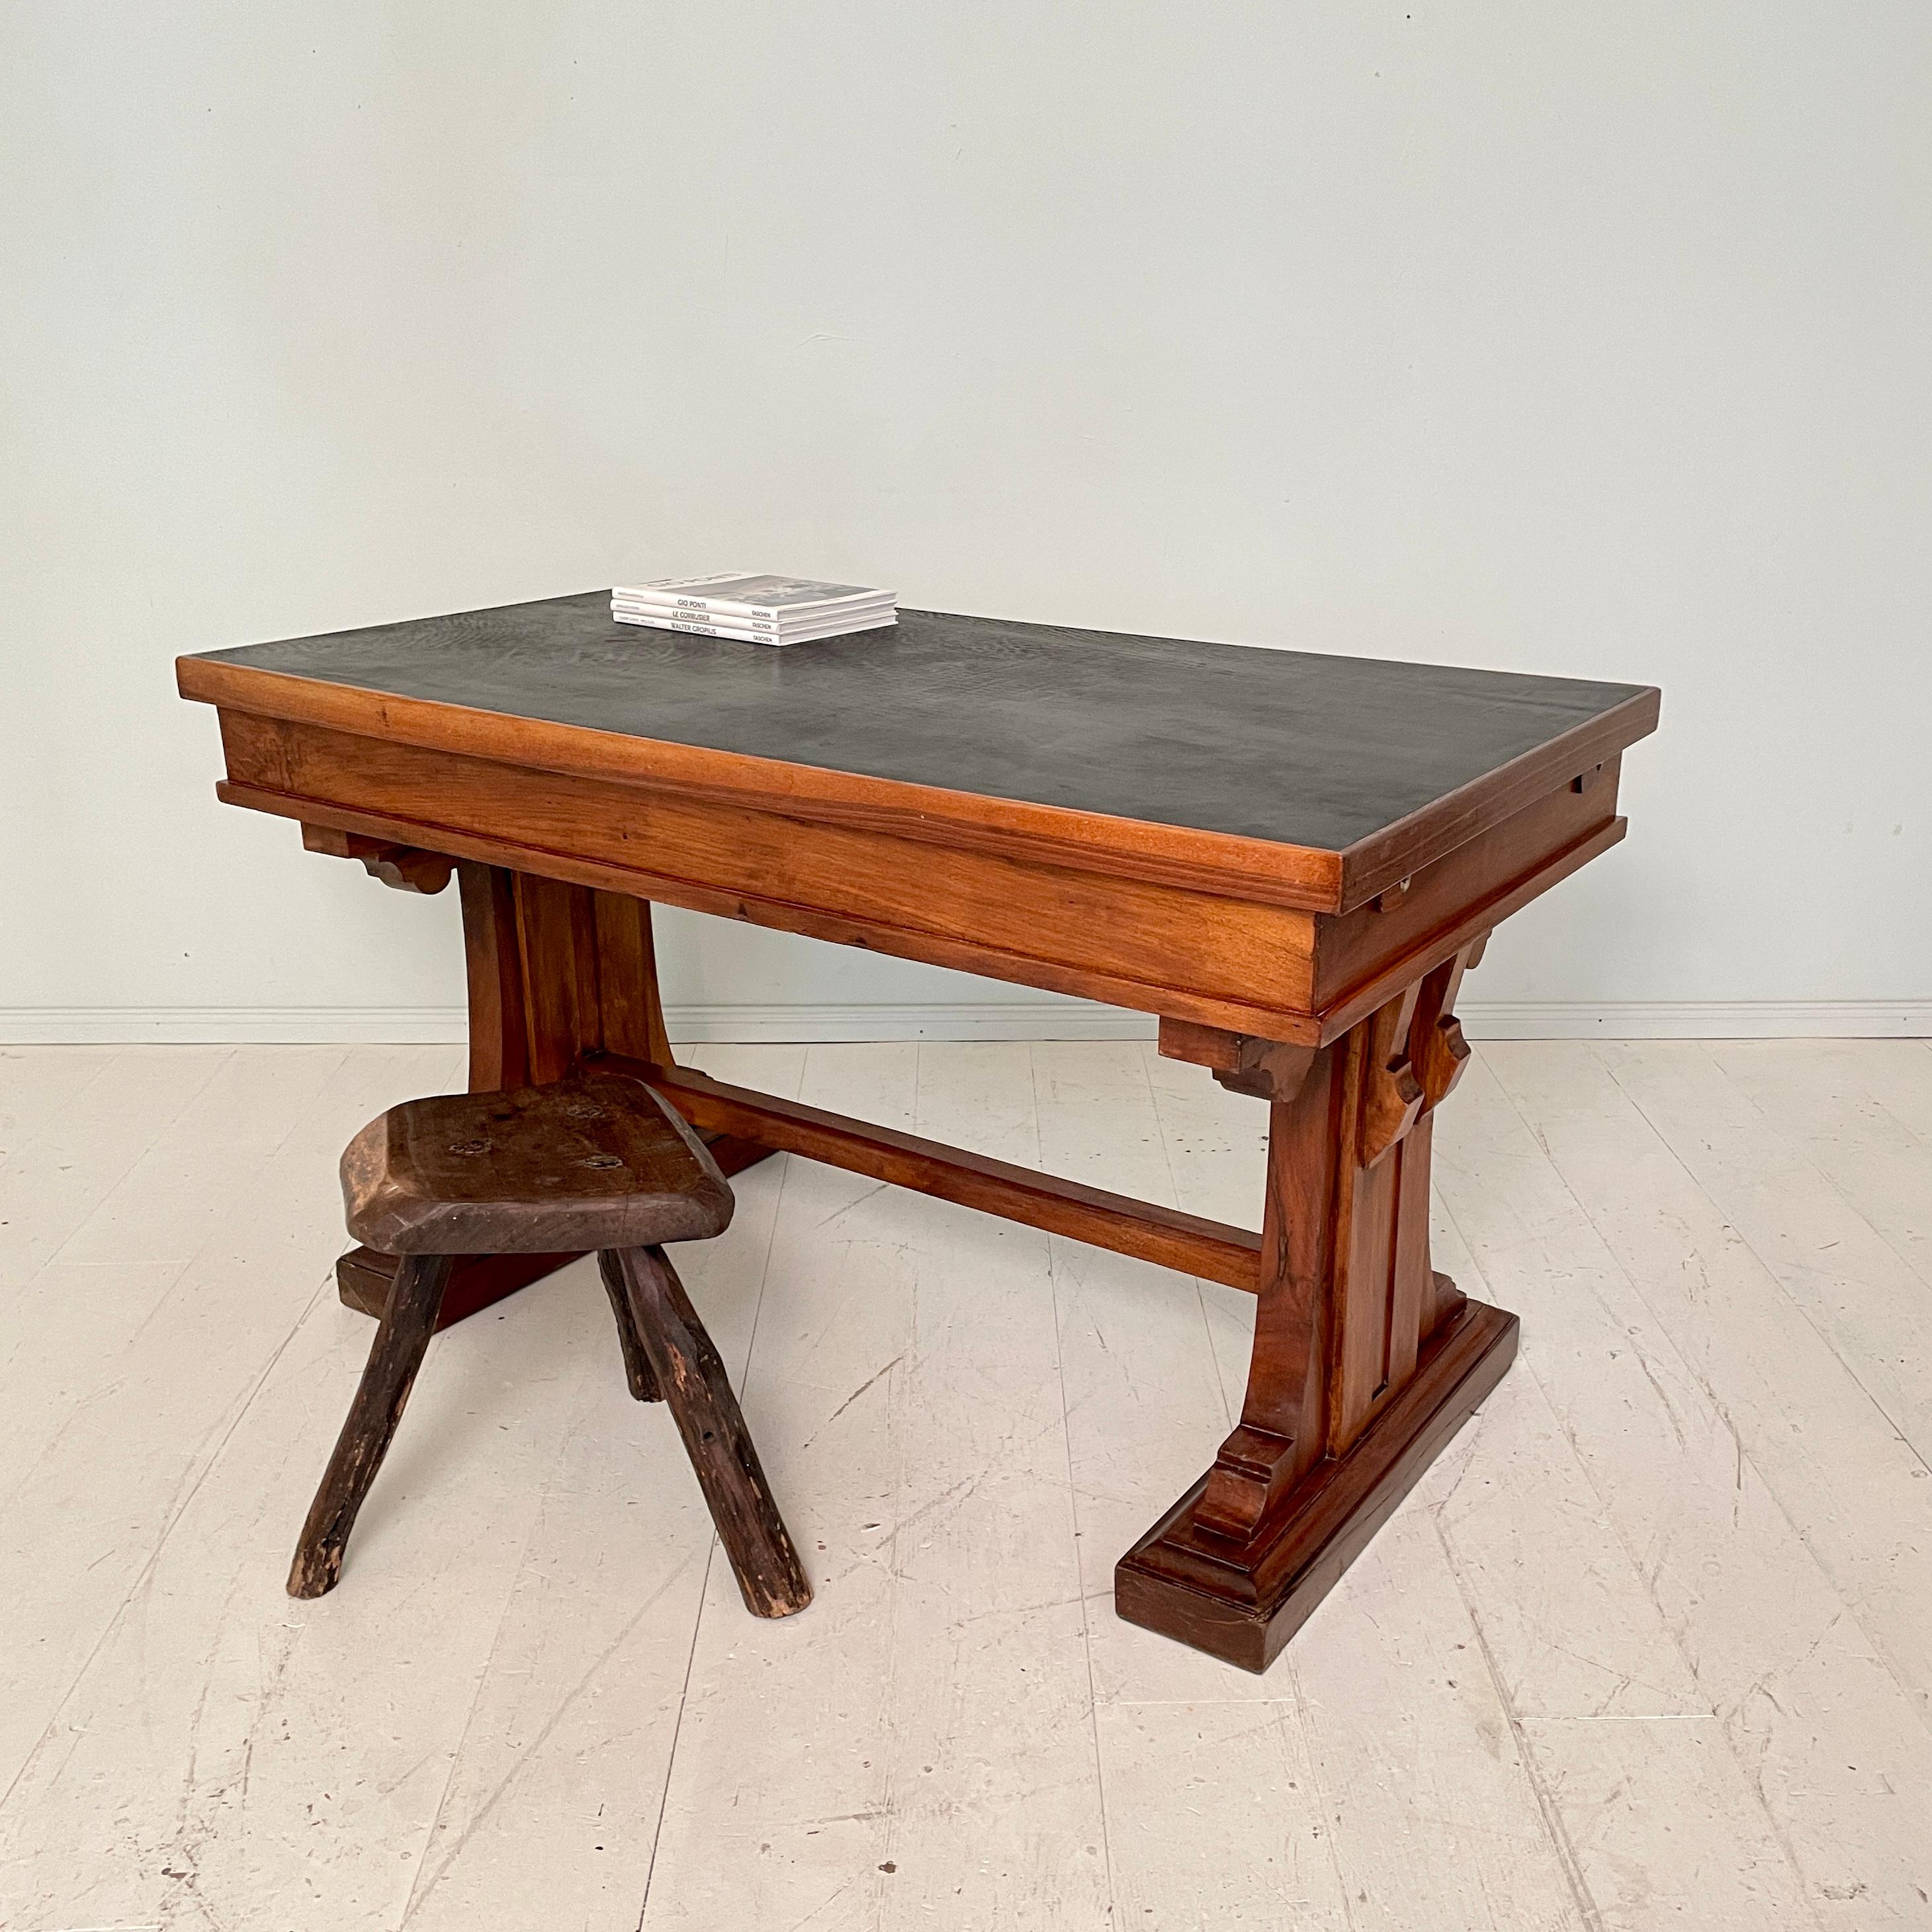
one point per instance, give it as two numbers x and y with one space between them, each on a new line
1242 1599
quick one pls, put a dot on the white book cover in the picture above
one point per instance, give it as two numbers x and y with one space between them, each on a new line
633 607
698 626
737 596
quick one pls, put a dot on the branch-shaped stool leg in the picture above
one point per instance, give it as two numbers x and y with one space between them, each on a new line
770 1577
637 1364
408 1321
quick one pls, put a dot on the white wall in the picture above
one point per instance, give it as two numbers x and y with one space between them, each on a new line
1589 340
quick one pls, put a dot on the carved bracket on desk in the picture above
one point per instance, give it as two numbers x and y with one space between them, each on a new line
1268 1069
1414 1054
404 867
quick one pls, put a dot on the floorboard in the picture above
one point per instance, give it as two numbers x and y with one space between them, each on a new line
1864 1125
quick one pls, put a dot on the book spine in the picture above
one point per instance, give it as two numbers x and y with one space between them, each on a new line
698 627
665 614
745 634
722 608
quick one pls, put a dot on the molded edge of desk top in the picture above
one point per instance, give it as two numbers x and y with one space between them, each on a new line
1310 877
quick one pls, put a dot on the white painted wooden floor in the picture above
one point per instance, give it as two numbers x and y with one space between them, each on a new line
1652 1646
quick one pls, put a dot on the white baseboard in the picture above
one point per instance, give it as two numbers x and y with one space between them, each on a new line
232 1026
335 1026
1699 1019
1025 1019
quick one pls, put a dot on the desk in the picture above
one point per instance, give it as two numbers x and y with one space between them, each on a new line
1291 859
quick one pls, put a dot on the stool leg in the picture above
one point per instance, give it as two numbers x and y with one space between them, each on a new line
408 1321
637 1364
770 1577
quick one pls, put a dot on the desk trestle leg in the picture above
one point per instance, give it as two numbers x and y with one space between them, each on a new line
1366 1361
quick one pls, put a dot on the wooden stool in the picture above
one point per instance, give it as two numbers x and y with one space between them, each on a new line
601 1162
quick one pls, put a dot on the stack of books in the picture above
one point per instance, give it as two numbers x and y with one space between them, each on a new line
761 609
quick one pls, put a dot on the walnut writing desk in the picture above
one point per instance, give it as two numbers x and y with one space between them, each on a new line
1291 859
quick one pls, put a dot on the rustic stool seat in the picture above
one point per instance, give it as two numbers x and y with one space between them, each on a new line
586 1164
600 1161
